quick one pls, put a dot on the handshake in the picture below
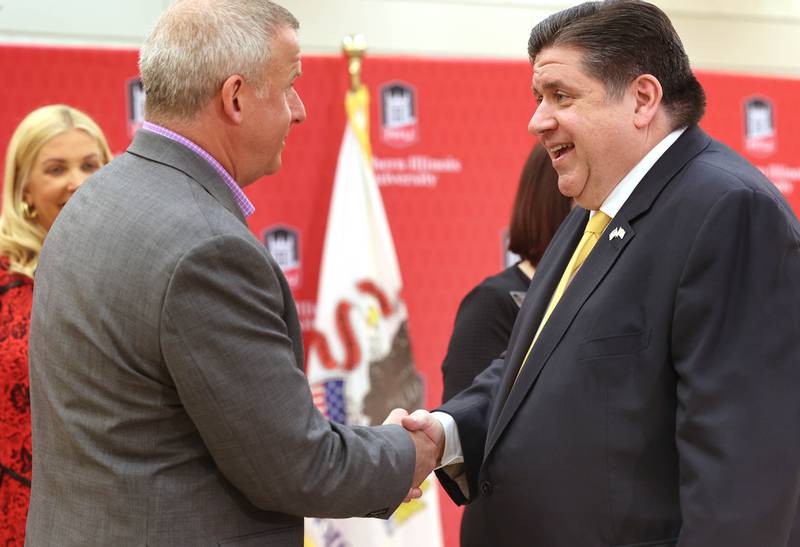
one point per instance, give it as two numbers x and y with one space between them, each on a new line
428 436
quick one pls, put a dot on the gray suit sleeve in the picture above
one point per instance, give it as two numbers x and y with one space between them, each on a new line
228 349
737 355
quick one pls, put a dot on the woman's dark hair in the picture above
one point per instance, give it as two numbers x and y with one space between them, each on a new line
538 208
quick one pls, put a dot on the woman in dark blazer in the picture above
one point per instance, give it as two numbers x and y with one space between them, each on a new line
487 313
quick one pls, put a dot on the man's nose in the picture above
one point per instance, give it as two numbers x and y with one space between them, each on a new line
298 109
542 120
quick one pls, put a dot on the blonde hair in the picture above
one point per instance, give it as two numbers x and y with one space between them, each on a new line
20 238
197 44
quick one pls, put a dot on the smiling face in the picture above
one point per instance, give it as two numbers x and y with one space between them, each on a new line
60 167
591 138
276 106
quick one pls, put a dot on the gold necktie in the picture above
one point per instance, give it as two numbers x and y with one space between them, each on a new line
591 235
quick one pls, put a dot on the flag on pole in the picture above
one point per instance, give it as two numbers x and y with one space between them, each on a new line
360 363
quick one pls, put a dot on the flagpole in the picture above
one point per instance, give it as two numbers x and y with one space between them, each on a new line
360 358
354 46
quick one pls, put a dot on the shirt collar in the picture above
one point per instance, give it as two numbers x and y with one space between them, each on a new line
620 194
244 204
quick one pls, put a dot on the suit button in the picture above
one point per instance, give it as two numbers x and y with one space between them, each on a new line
486 488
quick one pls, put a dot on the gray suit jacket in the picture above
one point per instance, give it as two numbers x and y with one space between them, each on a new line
168 399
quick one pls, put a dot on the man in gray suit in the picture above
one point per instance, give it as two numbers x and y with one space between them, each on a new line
169 403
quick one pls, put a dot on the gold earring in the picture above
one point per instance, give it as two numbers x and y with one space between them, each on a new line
28 212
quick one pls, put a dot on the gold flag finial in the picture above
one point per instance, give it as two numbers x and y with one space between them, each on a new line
354 46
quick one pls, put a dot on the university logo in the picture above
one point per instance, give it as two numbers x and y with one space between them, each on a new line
283 243
759 126
135 99
399 127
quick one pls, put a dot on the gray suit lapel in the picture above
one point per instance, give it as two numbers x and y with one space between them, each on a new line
154 147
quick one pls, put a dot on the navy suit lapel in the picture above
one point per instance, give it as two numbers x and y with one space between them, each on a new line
536 300
692 142
597 266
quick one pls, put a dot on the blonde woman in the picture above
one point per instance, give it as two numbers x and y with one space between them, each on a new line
52 151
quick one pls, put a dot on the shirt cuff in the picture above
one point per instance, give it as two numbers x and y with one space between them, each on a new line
452 443
452 461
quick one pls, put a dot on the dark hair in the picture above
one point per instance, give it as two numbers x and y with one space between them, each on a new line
538 208
623 39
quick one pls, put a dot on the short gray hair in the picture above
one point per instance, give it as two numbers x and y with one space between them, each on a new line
197 44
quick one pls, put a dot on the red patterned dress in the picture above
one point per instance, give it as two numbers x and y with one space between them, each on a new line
16 292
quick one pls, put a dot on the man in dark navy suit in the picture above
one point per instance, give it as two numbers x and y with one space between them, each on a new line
650 392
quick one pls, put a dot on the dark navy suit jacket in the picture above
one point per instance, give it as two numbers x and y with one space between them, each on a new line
661 402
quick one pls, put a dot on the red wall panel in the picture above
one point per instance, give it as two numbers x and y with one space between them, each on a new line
470 121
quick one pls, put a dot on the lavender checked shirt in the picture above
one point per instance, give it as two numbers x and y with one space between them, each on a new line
241 199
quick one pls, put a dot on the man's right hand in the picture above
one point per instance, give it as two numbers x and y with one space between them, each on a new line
428 450
422 421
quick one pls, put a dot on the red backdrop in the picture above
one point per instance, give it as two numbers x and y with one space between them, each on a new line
447 182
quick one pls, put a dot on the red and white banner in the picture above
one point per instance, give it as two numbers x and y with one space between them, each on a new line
448 144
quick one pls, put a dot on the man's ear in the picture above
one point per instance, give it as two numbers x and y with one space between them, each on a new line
231 95
648 93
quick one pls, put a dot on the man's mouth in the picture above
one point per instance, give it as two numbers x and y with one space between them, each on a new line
561 150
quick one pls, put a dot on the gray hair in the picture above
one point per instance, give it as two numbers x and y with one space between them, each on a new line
197 44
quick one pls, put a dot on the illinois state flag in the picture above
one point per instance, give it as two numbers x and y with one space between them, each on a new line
360 363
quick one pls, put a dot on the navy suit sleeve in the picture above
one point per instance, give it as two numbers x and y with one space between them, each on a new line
471 409
736 350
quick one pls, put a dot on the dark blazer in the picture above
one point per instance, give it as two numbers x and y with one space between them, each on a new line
168 397
482 328
660 403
